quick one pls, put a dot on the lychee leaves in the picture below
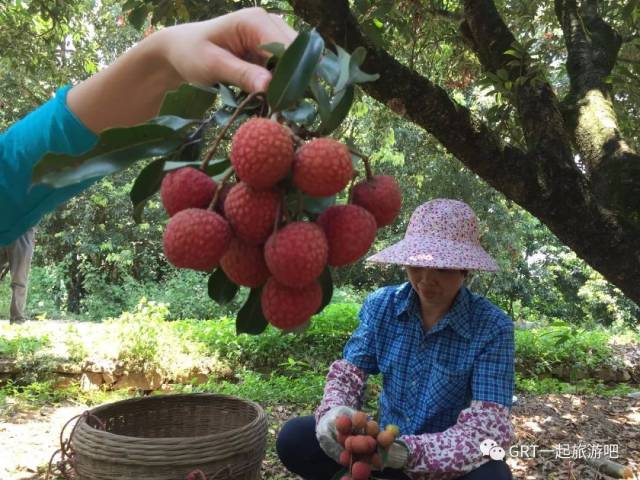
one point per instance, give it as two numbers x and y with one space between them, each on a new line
188 101
294 70
250 318
220 288
326 282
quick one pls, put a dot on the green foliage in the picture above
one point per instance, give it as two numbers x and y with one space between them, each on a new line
539 351
22 346
271 389
546 385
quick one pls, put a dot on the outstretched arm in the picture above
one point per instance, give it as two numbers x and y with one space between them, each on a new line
224 49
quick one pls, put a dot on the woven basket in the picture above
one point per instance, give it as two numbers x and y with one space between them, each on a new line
167 436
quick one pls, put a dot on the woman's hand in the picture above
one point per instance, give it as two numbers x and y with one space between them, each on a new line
224 49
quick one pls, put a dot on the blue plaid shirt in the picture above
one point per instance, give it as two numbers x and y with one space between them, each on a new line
429 377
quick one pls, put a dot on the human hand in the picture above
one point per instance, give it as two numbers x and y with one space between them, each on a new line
397 455
327 433
225 49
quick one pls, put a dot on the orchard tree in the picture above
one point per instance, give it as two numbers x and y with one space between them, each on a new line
557 133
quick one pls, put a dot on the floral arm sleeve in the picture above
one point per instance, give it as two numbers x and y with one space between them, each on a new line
456 450
347 377
345 386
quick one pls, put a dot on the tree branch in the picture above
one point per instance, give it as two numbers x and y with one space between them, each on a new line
593 47
537 106
406 92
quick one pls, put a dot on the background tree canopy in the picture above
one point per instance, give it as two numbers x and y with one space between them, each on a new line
499 104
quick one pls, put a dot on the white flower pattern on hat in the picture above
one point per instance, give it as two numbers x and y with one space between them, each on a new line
442 233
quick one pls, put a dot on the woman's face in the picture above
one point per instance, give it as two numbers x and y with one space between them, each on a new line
435 286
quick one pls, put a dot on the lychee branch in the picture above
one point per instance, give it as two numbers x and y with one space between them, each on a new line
211 152
224 180
365 161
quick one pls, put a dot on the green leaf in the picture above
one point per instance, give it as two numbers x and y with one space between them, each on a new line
320 94
326 282
328 68
344 60
358 56
220 288
173 122
250 318
227 96
277 49
145 186
502 74
222 117
339 111
355 74
294 71
317 205
117 149
214 168
188 101
138 16
513 53
303 113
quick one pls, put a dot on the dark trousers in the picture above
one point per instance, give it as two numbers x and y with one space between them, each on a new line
300 453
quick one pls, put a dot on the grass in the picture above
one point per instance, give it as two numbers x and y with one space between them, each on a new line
272 368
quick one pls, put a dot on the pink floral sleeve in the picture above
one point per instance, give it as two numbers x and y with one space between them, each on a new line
345 386
456 451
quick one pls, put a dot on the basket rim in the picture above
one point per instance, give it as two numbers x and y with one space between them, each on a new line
260 418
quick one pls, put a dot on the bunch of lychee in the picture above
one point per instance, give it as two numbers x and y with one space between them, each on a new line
364 444
246 229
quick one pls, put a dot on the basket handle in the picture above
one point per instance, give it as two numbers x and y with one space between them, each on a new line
66 465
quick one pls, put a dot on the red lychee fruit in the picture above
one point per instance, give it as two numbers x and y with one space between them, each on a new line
322 167
186 188
385 438
261 152
343 424
360 471
345 458
288 308
372 428
297 254
359 420
197 239
251 213
380 196
244 264
350 230
361 445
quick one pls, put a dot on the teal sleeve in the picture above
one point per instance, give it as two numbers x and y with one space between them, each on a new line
50 128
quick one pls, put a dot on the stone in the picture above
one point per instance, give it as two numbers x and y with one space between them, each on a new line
90 381
137 380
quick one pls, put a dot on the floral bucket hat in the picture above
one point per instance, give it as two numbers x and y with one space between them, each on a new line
442 233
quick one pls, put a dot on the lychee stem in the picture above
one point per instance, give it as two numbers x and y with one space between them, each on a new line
351 184
211 152
224 180
366 162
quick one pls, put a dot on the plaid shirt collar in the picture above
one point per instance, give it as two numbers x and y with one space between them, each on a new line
408 306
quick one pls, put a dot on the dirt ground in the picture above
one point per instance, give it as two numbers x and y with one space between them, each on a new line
567 426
